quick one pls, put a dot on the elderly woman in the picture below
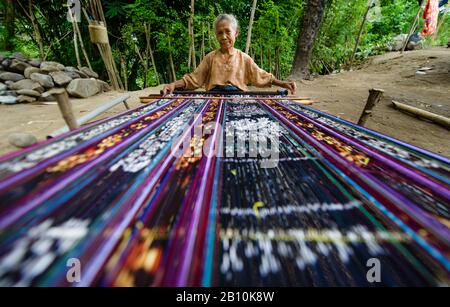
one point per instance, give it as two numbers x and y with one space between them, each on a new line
227 68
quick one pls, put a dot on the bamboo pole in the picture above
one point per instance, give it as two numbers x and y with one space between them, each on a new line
191 22
172 67
75 43
202 48
374 97
150 51
37 32
361 28
413 28
250 26
438 119
81 40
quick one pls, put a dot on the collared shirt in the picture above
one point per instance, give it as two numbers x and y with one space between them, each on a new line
240 70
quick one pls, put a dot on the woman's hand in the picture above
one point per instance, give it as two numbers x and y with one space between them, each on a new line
291 86
168 88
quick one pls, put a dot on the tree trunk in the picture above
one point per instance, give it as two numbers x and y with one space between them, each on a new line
191 22
250 25
123 65
203 42
37 32
209 37
309 29
9 24
150 51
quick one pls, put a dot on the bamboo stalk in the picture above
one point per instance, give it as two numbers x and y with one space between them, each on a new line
37 32
150 50
172 67
250 26
413 28
81 41
438 119
360 32
191 19
75 43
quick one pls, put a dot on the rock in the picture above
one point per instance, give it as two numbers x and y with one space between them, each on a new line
21 139
25 99
3 87
60 77
19 56
30 70
11 76
70 68
10 93
90 73
72 74
44 80
398 41
35 63
83 88
18 66
8 83
51 66
414 46
29 93
27 84
72 71
82 74
47 97
415 42
6 62
104 87
8 99
2 58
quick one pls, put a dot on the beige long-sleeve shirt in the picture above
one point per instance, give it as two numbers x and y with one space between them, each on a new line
240 70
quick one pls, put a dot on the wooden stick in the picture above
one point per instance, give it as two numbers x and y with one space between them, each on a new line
152 98
413 28
369 6
374 97
438 119
250 26
65 107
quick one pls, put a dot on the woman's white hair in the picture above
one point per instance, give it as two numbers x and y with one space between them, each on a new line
231 18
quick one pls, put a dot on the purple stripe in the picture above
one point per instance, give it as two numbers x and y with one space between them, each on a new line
386 137
100 257
16 153
397 199
5 184
23 206
192 230
414 176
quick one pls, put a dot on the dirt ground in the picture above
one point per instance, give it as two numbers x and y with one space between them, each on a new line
343 95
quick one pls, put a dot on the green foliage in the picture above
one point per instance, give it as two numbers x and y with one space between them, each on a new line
274 35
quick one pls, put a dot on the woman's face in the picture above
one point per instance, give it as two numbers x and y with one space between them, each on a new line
226 34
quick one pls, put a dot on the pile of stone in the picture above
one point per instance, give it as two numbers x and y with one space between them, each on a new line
415 42
24 80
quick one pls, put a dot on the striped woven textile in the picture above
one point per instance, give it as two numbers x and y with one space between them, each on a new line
225 191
